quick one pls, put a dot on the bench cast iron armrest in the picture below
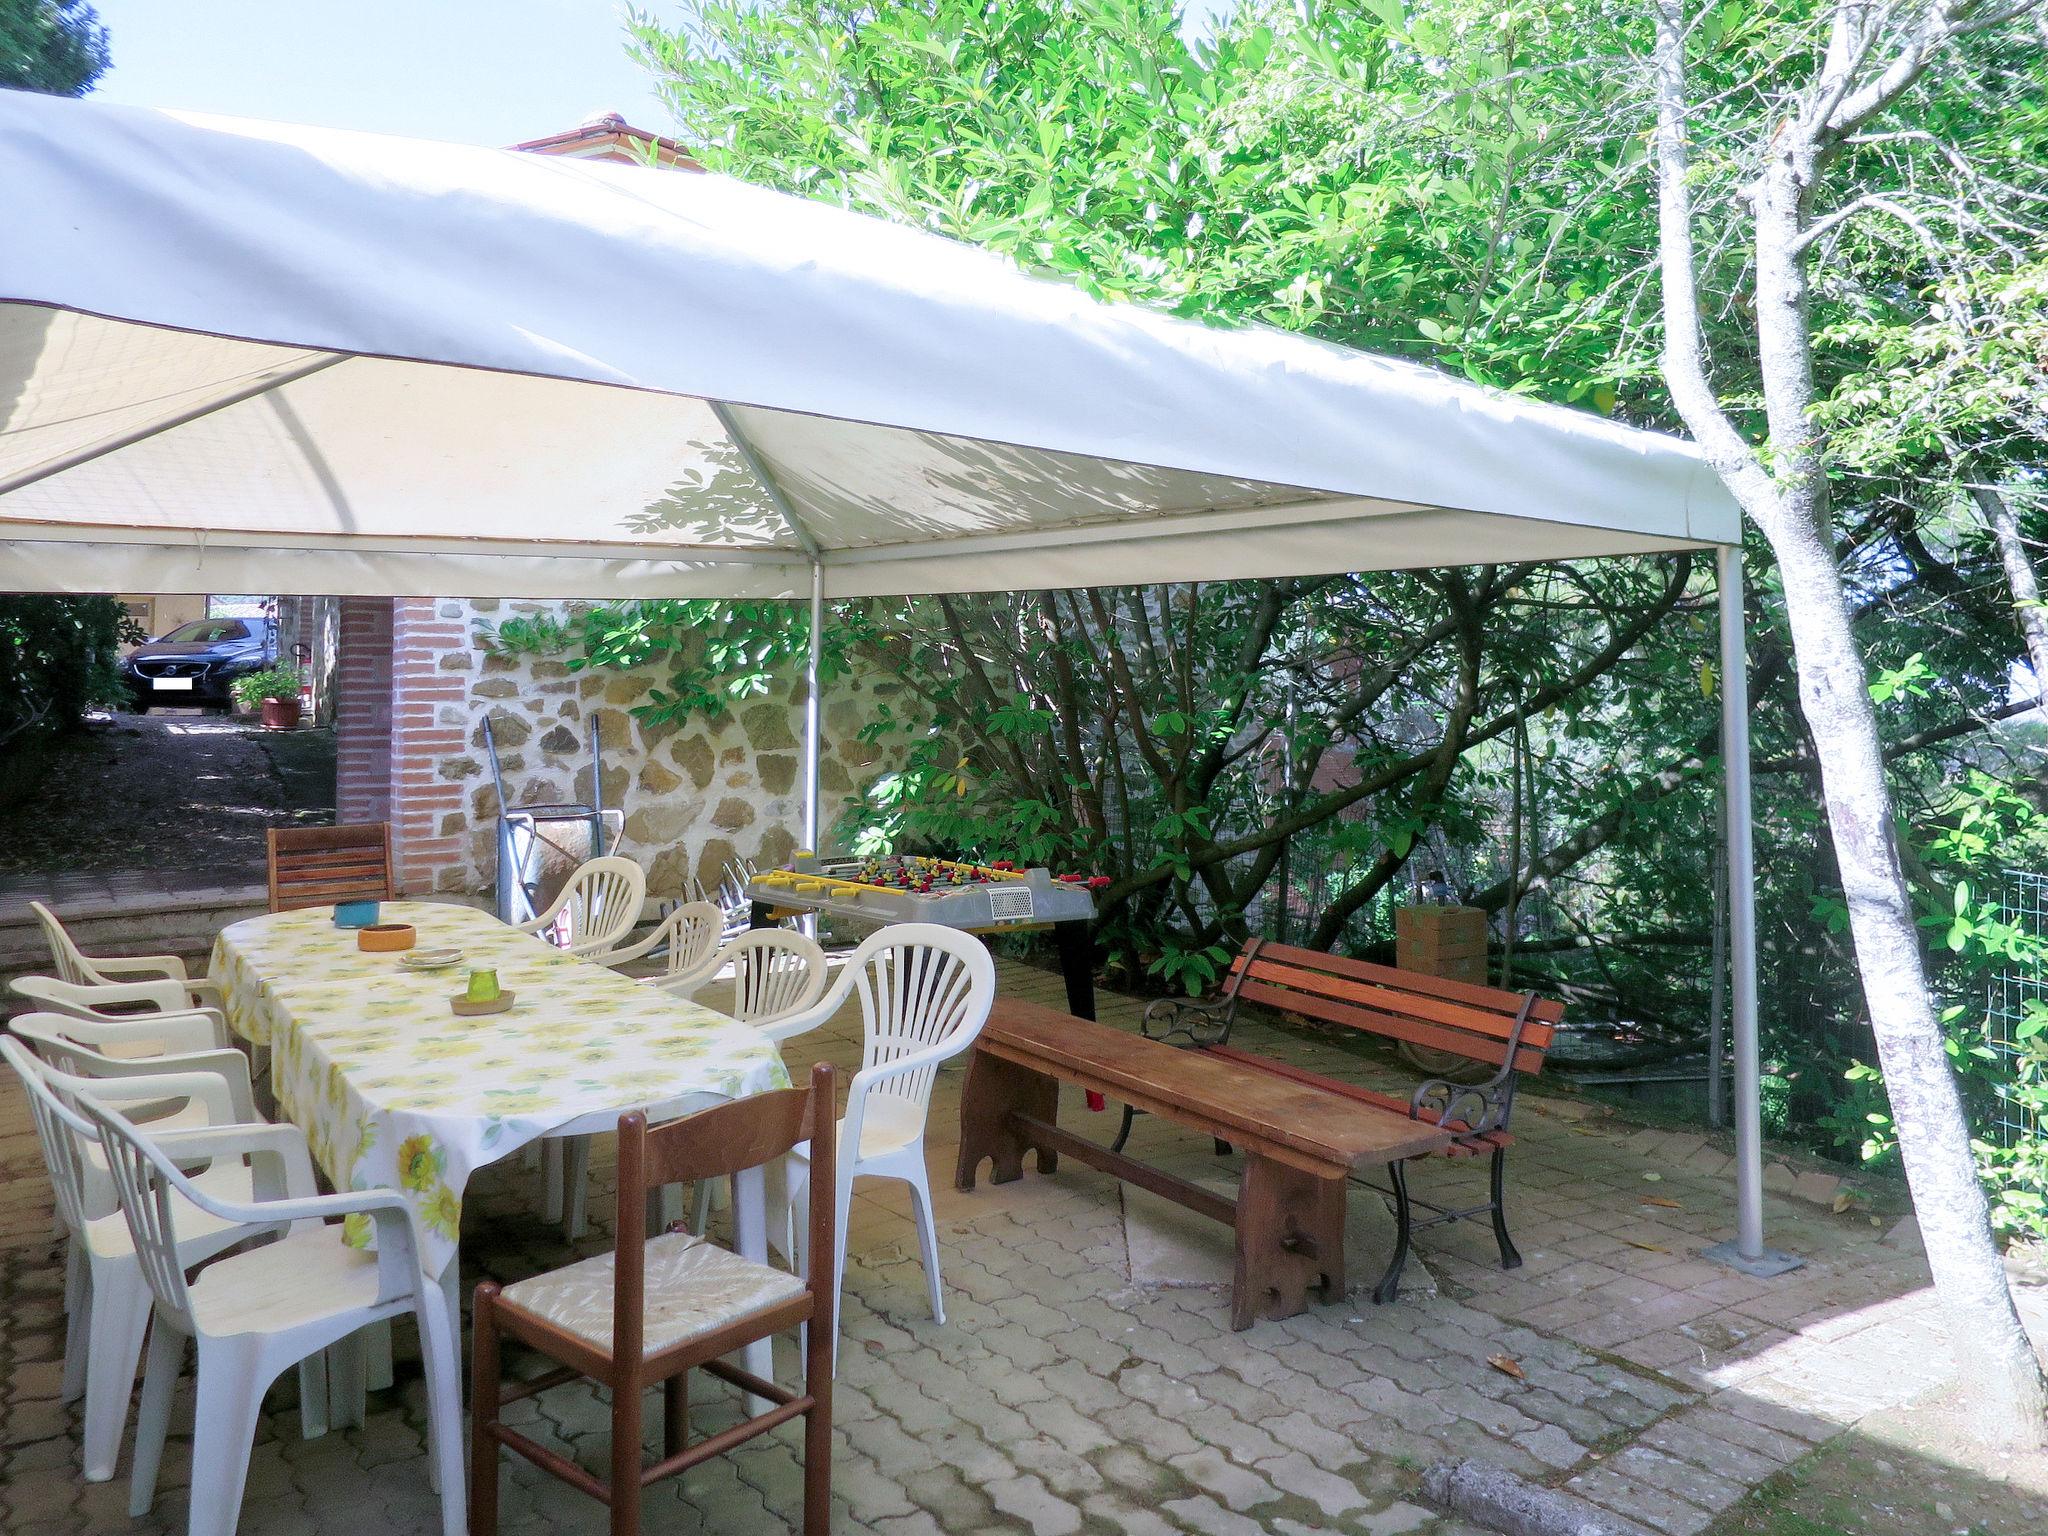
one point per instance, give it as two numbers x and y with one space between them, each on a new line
1479 1107
1482 1107
1186 1021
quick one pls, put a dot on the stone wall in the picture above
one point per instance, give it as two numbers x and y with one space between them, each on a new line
693 796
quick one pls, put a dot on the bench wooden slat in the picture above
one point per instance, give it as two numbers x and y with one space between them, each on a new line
1490 999
1415 1032
1381 1001
1362 1094
1293 1120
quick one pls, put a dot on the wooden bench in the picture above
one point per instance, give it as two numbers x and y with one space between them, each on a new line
1301 1143
1447 1025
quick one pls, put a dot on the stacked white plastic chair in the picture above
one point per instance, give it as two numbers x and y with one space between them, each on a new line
925 993
107 1295
254 1313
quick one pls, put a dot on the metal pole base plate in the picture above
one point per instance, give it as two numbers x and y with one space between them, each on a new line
1766 1264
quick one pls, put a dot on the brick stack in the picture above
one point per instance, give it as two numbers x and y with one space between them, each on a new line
1442 941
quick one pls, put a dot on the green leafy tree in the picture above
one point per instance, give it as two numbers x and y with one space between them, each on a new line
1473 184
54 46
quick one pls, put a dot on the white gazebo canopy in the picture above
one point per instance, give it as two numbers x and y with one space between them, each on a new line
243 356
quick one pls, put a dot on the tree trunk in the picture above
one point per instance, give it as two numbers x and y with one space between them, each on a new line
1985 1331
2019 573
1786 495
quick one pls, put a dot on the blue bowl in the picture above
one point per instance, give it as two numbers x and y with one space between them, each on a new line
354 914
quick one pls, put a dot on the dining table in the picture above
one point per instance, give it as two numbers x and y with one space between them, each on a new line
395 1090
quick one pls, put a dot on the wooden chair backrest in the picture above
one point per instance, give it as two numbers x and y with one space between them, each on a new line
743 1134
1455 1016
318 866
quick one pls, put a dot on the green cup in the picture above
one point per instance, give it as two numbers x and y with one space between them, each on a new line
483 986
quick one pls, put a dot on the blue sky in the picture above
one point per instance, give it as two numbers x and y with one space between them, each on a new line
477 71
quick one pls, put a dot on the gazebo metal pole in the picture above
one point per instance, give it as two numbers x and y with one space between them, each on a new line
811 707
1747 1252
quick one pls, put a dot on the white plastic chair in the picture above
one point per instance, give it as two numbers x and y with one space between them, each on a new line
76 966
254 1313
106 1294
689 935
925 993
777 973
137 1010
79 1047
601 903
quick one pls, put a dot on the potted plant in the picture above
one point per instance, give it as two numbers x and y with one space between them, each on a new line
274 690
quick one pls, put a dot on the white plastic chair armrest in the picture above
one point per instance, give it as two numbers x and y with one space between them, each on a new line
397 1256
169 967
199 1029
802 1022
869 1078
171 1089
286 1180
91 1000
205 992
226 1063
624 952
685 982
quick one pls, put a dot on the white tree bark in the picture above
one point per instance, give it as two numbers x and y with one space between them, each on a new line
2020 576
1786 496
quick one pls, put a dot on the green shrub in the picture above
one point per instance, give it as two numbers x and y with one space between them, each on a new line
57 659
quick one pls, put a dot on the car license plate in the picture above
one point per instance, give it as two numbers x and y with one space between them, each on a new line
172 684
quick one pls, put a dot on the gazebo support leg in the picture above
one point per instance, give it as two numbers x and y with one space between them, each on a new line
1747 1252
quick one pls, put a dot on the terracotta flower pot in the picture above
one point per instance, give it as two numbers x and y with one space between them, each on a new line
280 714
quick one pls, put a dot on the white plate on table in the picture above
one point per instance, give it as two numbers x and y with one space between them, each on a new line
439 959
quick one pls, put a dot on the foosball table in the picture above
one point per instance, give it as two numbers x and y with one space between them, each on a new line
975 898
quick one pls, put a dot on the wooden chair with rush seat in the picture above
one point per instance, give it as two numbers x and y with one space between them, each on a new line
655 1309
319 866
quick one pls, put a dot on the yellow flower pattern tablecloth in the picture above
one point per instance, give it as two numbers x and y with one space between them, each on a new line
394 1091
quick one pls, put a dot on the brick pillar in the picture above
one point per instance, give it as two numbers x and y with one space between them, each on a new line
362 712
428 719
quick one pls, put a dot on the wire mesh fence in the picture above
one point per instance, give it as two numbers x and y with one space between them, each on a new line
2012 996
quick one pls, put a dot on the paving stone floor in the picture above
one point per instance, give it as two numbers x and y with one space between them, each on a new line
1059 1397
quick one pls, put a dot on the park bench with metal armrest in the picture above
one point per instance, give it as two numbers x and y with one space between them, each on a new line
1449 1024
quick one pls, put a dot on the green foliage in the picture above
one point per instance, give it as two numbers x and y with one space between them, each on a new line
279 681
540 634
1461 183
54 46
57 660
1962 857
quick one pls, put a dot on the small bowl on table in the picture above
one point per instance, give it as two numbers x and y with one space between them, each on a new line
386 938
355 914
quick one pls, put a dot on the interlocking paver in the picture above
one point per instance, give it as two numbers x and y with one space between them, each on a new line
1060 1395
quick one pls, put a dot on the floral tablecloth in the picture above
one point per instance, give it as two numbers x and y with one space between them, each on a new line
393 1090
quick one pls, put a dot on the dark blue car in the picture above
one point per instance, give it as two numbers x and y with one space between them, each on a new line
195 662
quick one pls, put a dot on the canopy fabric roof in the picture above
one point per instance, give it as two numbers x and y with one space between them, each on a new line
242 356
